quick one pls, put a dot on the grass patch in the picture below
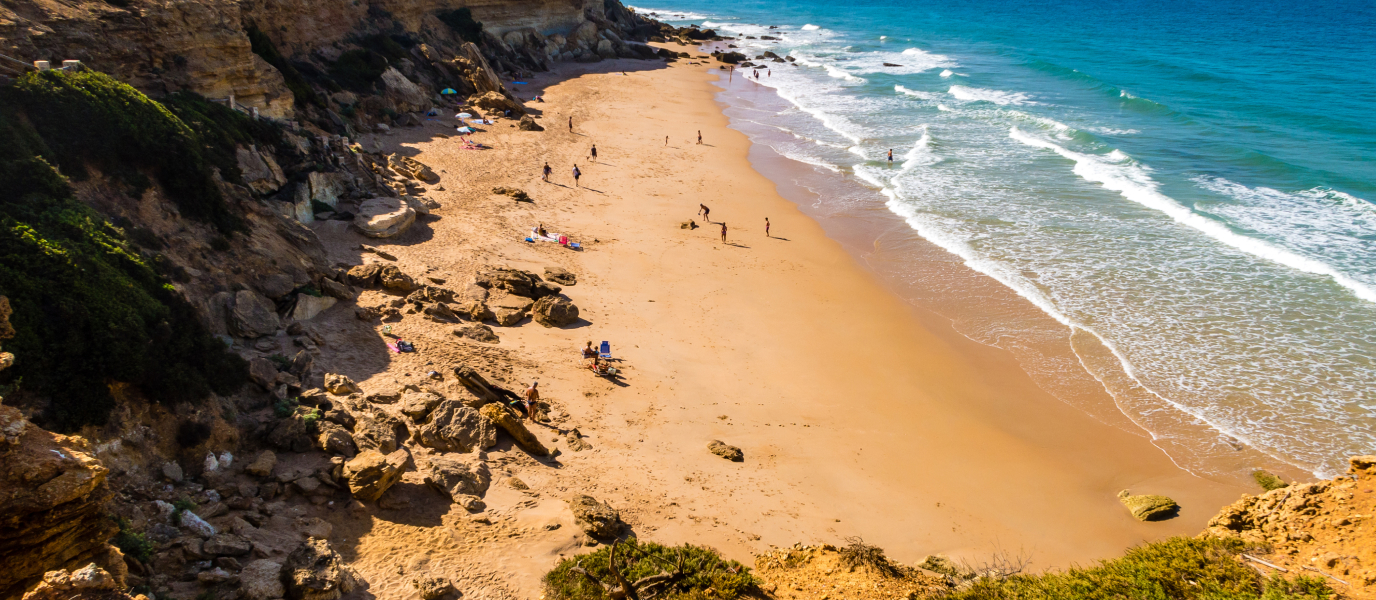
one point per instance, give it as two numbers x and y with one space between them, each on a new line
461 21
1268 481
1177 568
684 572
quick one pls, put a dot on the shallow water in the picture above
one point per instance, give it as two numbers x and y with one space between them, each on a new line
1185 188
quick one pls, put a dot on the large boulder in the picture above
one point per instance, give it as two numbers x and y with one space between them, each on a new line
1148 507
396 280
377 430
253 315
227 544
595 518
454 477
417 404
514 281
263 465
516 429
453 427
371 473
554 311
262 580
499 103
308 306
529 124
406 95
509 309
258 169
384 217
365 276
314 571
333 438
340 385
291 434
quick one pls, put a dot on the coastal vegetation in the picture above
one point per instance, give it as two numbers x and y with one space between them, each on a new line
89 308
634 569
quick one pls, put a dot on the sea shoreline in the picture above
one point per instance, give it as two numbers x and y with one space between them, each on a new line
859 416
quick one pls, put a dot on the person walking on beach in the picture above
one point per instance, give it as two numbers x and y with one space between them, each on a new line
766 227
576 175
723 232
699 137
547 172
704 211
593 155
532 396
570 124
666 141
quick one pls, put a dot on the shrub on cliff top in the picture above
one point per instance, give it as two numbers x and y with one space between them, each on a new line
1177 568
89 309
89 118
222 128
702 569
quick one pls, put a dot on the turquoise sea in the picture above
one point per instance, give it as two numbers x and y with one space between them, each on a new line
1189 183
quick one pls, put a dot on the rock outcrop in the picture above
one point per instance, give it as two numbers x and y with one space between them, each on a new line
516 429
453 427
370 474
53 497
554 311
314 571
455 477
595 518
384 217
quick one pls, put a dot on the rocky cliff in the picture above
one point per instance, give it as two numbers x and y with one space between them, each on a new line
205 47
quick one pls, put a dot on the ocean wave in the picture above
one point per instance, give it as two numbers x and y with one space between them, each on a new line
1118 172
947 73
921 155
972 94
810 160
810 27
910 62
914 93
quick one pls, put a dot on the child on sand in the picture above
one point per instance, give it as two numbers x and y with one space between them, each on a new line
699 136
766 227
723 232
576 175
570 124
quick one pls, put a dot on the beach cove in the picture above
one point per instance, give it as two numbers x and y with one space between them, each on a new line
858 414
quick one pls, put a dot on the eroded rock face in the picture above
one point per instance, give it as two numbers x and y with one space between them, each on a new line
371 473
453 427
53 496
253 315
455 477
595 518
314 571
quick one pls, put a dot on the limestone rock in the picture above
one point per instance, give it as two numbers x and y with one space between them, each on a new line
365 276
291 434
252 315
263 372
418 404
529 124
314 571
442 313
370 473
263 465
336 290
261 580
172 471
384 217
509 309
499 103
227 544
340 385
412 168
595 518
1148 507
453 427
334 439
575 441
478 333
308 306
454 477
260 171
516 429
406 95
432 587
477 310
554 311
277 285
514 281
560 276
377 430
726 451
395 280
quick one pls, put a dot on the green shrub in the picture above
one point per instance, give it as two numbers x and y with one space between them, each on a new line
132 543
89 309
311 417
358 70
296 82
461 21
284 408
88 118
1177 568
1268 481
222 129
703 569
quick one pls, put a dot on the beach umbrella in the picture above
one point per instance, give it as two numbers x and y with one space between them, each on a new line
448 91
462 116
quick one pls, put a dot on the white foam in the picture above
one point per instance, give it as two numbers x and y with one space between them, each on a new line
973 94
914 93
670 15
810 27
1131 180
947 73
921 153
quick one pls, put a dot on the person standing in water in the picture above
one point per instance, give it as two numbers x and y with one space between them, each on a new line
890 157
576 175
766 227
547 171
594 153
723 232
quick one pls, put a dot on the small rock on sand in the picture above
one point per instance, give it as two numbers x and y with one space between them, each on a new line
595 518
478 333
1148 507
432 587
560 276
726 451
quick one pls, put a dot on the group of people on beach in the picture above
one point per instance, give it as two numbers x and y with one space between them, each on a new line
706 217
576 172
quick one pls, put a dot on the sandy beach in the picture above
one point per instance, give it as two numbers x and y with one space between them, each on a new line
859 414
